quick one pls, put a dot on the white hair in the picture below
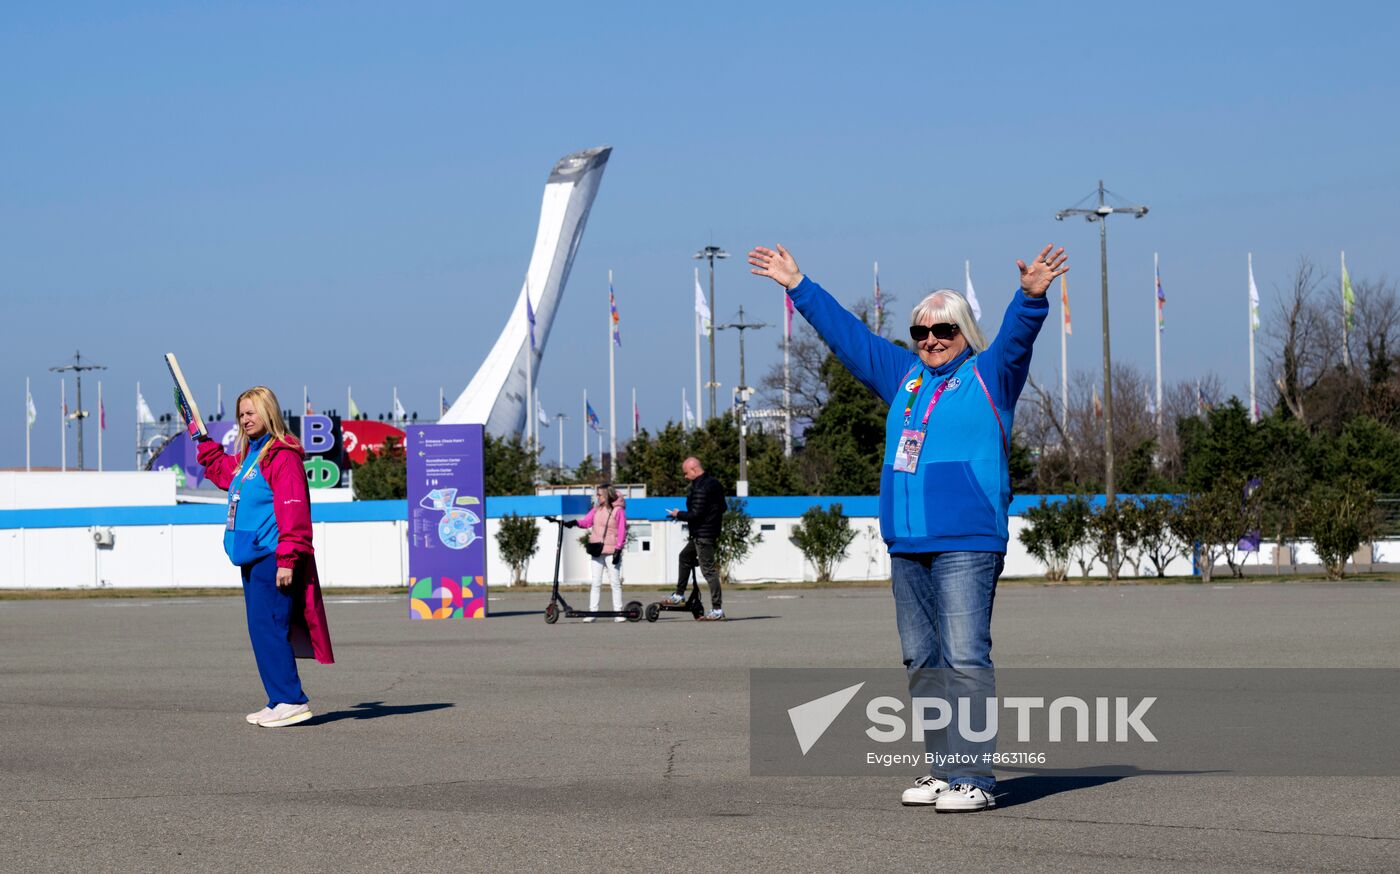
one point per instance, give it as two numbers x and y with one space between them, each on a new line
946 305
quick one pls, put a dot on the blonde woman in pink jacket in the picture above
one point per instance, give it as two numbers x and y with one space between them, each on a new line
607 533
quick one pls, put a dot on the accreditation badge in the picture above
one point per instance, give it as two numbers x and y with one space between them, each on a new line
232 512
906 456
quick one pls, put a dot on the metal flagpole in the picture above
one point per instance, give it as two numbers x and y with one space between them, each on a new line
442 404
879 306
684 425
1064 355
306 402
1253 404
347 401
529 393
561 417
634 412
63 426
219 395
612 391
100 417
787 383
138 425
583 423
1157 333
27 424
698 413
1346 346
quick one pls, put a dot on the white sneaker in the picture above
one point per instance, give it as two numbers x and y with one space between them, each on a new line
924 791
255 718
589 618
673 598
619 618
964 798
715 615
286 714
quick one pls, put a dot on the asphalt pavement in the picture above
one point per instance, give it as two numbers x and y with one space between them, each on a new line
510 745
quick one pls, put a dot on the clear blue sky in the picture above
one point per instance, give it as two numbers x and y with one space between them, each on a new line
346 193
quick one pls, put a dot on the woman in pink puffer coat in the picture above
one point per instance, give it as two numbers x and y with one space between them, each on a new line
607 534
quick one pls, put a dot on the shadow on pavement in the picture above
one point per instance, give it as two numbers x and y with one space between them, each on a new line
1033 787
374 710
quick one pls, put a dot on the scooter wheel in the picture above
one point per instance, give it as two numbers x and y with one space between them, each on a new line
551 613
653 612
633 611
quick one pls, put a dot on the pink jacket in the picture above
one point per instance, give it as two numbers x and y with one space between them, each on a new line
283 468
607 520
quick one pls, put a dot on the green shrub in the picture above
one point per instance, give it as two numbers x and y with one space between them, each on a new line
518 540
1340 519
1054 532
824 536
736 537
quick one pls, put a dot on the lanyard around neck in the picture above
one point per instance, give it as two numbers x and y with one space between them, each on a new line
933 401
247 474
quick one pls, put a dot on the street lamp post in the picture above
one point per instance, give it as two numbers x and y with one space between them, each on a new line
742 487
78 367
710 253
1100 214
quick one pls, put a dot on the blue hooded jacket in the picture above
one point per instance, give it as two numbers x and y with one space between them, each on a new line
956 499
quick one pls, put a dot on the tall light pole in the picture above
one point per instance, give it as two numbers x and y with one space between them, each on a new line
710 253
78 368
1100 214
742 487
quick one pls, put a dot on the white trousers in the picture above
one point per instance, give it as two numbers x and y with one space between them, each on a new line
602 564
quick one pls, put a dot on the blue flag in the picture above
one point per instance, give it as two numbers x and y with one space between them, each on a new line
593 418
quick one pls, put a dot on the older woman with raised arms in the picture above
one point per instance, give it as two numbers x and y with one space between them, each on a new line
944 486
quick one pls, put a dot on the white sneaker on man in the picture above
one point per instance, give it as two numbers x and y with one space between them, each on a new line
255 718
286 714
589 618
964 798
619 618
924 791
715 615
673 598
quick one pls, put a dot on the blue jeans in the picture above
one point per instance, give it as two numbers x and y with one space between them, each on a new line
943 605
269 630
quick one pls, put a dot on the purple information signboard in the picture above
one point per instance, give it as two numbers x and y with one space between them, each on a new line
446 522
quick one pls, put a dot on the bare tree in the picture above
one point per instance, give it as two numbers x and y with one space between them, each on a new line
1303 343
807 353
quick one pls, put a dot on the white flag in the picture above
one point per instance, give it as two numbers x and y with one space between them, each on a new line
143 411
30 414
540 413
1253 297
702 307
399 412
972 295
689 415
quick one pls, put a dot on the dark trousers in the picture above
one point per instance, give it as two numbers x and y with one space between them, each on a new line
701 554
269 621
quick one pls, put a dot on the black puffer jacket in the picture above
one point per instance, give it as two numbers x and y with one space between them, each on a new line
704 507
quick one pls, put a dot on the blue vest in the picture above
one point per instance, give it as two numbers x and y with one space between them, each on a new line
254 534
956 498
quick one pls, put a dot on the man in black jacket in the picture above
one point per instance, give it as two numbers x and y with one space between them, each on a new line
704 514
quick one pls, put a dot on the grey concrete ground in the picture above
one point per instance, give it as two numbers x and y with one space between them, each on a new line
509 745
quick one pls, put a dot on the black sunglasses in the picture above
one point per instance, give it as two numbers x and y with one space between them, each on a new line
941 331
